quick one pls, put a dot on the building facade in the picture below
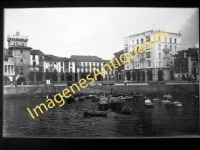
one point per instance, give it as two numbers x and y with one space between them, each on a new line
186 64
56 68
9 70
36 66
156 63
17 45
83 65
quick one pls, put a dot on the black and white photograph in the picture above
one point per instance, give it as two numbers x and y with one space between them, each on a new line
100 72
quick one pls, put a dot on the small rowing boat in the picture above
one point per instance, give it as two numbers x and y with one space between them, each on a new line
93 113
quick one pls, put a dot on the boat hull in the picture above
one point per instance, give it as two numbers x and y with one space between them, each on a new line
103 106
92 113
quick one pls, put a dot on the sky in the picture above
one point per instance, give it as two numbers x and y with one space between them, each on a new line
96 31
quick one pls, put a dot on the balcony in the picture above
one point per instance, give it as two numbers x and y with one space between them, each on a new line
166 50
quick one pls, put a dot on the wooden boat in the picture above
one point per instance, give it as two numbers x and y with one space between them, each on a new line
167 97
126 110
126 98
148 103
96 98
177 104
103 104
115 103
93 113
76 98
168 104
81 98
138 95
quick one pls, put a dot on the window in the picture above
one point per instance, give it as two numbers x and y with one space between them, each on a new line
61 64
22 44
174 40
175 48
81 69
137 41
70 69
159 47
159 63
6 59
54 63
142 41
21 60
99 64
21 51
5 69
95 64
159 55
70 64
148 54
132 42
170 47
21 71
86 70
34 64
148 38
33 57
62 70
170 40
149 63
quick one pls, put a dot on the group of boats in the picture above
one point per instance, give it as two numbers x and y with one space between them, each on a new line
167 100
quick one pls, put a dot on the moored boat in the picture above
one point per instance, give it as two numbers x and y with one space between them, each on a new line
168 104
148 103
114 103
81 98
126 110
93 113
177 104
96 98
76 98
103 104
167 97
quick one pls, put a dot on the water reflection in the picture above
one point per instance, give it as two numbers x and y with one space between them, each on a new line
68 121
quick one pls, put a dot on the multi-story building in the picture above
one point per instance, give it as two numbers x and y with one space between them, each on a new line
55 68
186 64
37 65
119 71
17 45
9 71
83 66
156 63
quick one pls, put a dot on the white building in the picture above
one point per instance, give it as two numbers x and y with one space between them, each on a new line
155 63
8 67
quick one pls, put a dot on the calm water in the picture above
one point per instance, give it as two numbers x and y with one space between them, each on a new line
68 121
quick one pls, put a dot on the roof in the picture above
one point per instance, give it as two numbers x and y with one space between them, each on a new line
82 58
20 46
119 52
7 53
55 58
36 52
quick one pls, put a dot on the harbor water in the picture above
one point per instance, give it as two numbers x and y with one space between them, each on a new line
68 120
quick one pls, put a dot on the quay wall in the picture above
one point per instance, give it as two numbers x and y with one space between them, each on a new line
147 89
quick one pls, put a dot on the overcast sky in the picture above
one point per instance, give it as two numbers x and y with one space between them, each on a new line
96 31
